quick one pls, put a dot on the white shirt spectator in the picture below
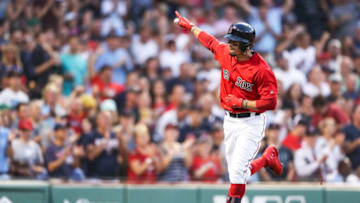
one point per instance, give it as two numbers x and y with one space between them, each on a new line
28 152
307 159
169 117
11 97
290 76
302 59
312 90
114 20
172 59
213 76
143 50
107 7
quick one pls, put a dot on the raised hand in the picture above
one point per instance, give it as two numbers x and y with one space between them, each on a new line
183 22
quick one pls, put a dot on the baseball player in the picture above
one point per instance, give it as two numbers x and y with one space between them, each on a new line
248 88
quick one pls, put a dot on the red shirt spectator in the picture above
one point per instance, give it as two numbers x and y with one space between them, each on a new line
148 175
293 140
103 85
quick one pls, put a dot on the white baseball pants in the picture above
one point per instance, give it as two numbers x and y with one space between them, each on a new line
242 141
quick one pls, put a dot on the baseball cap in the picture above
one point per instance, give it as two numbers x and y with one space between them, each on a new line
274 126
59 126
311 131
171 126
335 78
25 124
335 43
108 105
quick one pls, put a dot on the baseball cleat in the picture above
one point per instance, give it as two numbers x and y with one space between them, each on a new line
271 156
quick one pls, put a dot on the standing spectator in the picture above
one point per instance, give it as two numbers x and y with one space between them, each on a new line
144 163
158 93
194 125
303 56
285 155
45 59
104 149
177 158
113 11
206 166
74 67
27 159
288 75
63 161
6 137
11 60
294 138
12 95
352 139
344 16
103 85
309 160
230 16
324 109
317 84
173 58
143 46
116 57
266 20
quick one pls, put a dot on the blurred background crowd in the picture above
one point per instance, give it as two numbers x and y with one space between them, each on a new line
113 90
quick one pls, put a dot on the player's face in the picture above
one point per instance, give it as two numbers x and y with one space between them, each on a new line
234 48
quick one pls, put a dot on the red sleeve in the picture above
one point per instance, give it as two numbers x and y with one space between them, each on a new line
339 115
211 43
267 89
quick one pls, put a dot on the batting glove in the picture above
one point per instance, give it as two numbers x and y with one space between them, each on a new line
233 101
183 22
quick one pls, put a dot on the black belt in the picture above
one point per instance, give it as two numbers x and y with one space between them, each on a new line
241 115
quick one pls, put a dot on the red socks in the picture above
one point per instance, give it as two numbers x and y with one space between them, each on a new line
237 190
257 164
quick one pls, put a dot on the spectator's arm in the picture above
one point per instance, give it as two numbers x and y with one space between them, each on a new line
45 9
137 167
245 5
321 43
303 168
53 165
349 147
287 6
198 173
94 151
12 13
43 67
264 175
291 172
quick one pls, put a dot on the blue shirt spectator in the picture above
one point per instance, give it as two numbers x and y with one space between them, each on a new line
4 162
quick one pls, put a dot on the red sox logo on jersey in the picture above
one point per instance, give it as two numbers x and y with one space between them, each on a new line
239 82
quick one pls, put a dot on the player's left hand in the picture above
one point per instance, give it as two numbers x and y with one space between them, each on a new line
233 101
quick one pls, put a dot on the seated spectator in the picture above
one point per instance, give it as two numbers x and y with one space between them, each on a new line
317 84
352 90
27 158
335 88
194 124
173 58
103 86
324 109
294 138
64 161
347 174
104 149
285 155
352 139
176 158
74 66
5 150
13 94
206 166
144 163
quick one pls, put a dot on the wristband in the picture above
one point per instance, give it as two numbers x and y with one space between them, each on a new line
244 104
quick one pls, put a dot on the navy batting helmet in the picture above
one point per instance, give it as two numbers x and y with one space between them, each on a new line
243 33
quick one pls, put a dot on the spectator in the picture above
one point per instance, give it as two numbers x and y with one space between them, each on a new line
158 93
288 75
316 84
10 60
261 17
323 109
194 124
103 85
294 138
309 159
352 138
351 84
6 137
74 67
27 159
335 88
143 46
144 163
177 158
210 73
173 58
13 94
114 55
63 161
206 166
286 157
230 16
104 149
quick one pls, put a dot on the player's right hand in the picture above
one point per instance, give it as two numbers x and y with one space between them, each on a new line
183 22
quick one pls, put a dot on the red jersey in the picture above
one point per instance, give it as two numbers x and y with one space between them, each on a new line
148 176
213 173
252 79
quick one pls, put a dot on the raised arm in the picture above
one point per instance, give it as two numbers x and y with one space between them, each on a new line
205 39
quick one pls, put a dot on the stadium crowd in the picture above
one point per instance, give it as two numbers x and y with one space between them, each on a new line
113 90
